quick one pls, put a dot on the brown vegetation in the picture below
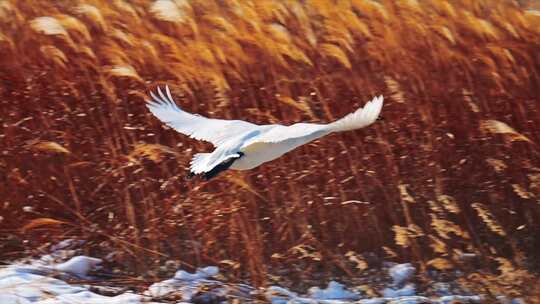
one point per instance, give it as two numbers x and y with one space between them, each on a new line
454 168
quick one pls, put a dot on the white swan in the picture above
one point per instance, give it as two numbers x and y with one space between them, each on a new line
242 145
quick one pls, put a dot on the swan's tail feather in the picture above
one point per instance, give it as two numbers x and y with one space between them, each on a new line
360 118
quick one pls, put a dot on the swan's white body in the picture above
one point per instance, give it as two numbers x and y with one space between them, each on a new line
242 145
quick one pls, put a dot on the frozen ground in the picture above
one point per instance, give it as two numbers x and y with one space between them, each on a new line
45 281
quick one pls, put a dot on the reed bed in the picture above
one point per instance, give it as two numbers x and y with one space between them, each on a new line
450 179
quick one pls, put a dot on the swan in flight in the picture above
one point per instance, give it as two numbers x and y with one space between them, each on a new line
241 145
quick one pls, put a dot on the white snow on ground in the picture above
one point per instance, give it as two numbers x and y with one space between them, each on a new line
78 266
401 273
33 283
88 297
407 290
334 291
187 284
201 274
400 292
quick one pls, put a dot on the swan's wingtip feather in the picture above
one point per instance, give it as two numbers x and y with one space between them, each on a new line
163 97
155 99
151 104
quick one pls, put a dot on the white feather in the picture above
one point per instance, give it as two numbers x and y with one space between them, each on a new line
215 131
360 118
198 162
258 143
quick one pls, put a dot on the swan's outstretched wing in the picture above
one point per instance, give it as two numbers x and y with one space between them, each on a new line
360 118
279 133
215 131
309 131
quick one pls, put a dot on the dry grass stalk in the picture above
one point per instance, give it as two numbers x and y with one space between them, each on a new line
48 26
404 235
445 227
499 127
40 222
440 264
153 152
48 147
449 203
488 218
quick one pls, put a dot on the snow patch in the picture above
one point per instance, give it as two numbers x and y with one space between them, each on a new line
78 266
42 281
334 291
401 273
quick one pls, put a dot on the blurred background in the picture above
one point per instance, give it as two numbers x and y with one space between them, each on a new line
450 180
